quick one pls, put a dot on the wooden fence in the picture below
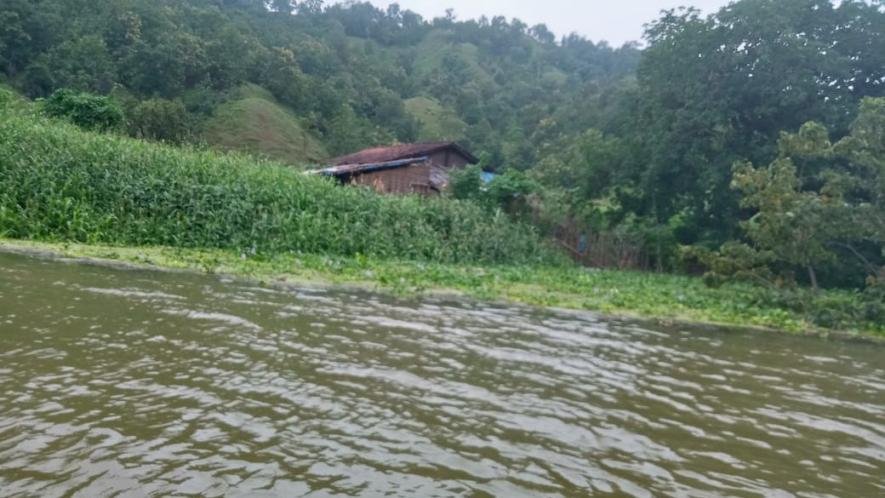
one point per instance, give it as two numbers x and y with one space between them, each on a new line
602 250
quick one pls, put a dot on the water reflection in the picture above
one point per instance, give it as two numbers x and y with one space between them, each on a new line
122 383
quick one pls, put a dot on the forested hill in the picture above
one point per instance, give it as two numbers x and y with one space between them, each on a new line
328 79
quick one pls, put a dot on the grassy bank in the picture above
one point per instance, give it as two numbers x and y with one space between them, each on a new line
642 295
59 183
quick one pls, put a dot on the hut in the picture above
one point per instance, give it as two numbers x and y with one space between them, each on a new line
401 169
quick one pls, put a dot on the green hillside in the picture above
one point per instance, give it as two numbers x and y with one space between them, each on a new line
255 123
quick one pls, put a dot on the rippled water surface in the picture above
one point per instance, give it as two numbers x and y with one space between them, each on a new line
128 383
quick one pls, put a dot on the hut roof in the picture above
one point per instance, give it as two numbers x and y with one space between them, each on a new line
400 152
344 170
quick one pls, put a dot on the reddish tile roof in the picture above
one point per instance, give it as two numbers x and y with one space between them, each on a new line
399 152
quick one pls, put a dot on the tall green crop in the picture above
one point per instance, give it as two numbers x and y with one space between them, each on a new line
60 183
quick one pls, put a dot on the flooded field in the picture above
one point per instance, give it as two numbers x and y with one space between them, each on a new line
136 383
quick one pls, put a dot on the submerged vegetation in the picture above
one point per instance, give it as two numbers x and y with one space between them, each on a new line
631 294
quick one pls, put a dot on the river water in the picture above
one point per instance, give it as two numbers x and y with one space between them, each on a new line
136 383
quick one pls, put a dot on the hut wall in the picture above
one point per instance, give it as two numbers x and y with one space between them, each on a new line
442 164
448 159
426 178
411 179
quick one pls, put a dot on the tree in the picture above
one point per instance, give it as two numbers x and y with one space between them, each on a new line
310 7
37 81
585 169
820 203
284 78
84 64
286 7
543 34
719 89
13 40
795 226
510 191
167 65
864 185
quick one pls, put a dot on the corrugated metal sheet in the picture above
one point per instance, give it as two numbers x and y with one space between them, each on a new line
351 169
393 153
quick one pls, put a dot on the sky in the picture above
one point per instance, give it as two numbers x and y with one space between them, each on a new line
616 21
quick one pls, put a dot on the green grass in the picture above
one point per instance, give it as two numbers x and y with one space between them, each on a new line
438 123
255 123
59 183
666 298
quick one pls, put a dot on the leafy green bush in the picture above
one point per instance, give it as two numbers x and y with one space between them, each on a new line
466 183
509 191
60 183
91 112
159 119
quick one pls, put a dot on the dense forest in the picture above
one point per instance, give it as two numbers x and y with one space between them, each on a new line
744 142
352 75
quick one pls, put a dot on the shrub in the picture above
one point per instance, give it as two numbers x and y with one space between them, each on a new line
466 183
5 97
509 191
160 119
91 112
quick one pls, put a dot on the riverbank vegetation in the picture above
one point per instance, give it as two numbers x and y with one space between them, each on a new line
101 195
663 297
744 145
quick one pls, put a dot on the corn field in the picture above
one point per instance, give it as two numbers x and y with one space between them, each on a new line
59 183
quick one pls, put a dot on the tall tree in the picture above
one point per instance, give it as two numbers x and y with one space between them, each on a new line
822 203
718 89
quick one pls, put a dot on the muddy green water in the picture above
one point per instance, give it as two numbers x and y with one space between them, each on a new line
136 383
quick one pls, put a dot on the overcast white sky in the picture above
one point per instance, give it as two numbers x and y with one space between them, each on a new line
616 21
